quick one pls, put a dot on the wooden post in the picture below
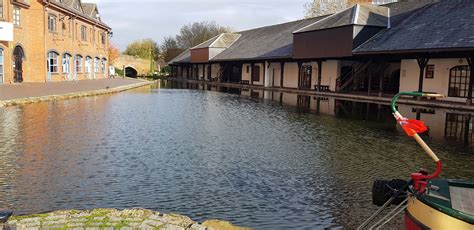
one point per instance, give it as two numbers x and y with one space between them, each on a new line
188 72
219 74
381 83
470 61
273 78
209 72
370 82
422 62
264 73
299 74
282 73
203 72
251 73
231 72
196 72
320 71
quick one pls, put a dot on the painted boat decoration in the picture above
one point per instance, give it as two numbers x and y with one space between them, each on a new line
427 201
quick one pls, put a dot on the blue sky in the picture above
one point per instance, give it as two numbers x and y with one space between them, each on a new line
137 19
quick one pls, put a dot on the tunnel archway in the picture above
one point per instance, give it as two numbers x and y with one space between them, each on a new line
131 72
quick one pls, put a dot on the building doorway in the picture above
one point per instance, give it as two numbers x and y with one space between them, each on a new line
18 56
307 72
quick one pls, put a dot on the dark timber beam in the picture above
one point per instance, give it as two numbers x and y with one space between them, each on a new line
203 71
264 73
320 71
282 73
381 82
470 61
422 62
251 72
369 85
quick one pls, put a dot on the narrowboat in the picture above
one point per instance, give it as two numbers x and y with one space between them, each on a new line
427 201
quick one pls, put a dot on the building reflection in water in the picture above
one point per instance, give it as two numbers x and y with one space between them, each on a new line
444 125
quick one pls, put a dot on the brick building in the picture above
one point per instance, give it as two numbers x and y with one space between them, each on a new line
53 40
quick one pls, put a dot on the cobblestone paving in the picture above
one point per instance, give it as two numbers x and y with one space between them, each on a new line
104 219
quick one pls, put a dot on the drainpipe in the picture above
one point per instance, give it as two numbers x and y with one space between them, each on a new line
389 23
45 20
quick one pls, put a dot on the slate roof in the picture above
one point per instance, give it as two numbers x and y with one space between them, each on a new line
223 40
85 10
269 42
206 43
415 25
367 15
432 25
184 57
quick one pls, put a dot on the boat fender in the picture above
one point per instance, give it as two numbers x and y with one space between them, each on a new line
383 190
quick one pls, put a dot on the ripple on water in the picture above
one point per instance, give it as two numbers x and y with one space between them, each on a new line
204 154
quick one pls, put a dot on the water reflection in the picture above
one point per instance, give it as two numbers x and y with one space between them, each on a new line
450 126
261 159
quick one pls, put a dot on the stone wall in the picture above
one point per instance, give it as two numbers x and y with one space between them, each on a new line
142 66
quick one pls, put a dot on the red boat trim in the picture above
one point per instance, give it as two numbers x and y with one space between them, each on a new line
420 225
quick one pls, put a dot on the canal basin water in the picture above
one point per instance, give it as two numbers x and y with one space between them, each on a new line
263 163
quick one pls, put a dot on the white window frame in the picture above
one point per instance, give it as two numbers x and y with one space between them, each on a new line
84 33
16 16
52 23
104 65
53 62
1 9
66 63
78 63
96 65
88 64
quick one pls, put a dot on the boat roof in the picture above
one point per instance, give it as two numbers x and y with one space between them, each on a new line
454 198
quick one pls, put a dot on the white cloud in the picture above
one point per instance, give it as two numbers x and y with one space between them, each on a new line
132 20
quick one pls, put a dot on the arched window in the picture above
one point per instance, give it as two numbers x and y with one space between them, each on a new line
66 63
459 81
1 66
53 62
78 63
96 65
104 65
88 64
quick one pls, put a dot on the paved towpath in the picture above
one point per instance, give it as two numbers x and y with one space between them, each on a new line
27 90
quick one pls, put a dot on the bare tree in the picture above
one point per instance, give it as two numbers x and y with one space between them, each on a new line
170 49
324 7
196 33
